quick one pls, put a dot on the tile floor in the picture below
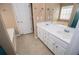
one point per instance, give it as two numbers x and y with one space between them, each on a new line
28 45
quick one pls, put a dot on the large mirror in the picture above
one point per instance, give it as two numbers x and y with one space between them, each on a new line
63 13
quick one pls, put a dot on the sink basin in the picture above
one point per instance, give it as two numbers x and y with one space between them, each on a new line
64 34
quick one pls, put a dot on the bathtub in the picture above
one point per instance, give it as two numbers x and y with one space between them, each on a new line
11 34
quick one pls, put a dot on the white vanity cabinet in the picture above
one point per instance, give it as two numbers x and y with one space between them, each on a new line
55 44
40 33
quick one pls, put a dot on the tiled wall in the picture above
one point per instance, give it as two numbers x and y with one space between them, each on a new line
44 12
7 15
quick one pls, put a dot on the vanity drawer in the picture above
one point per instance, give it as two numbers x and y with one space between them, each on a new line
61 43
51 46
57 40
59 50
52 38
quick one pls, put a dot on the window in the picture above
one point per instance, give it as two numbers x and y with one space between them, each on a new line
66 12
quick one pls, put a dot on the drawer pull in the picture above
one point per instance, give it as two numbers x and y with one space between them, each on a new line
56 46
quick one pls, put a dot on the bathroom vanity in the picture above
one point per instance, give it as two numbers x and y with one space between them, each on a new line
55 36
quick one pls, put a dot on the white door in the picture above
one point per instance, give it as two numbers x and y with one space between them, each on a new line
23 17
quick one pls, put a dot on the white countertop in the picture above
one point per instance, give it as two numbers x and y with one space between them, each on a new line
11 33
58 31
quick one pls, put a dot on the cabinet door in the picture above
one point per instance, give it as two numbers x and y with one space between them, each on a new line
43 35
38 32
59 50
46 37
50 44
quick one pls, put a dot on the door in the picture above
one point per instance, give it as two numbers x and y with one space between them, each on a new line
23 17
